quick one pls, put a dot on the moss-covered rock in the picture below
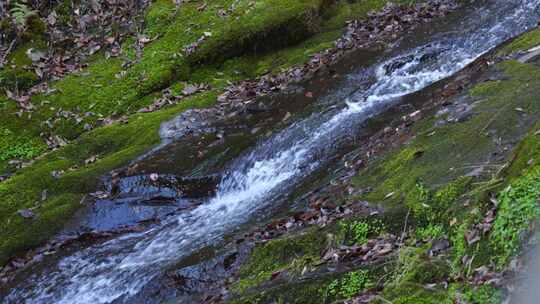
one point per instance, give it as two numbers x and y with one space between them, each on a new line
281 254
116 145
443 151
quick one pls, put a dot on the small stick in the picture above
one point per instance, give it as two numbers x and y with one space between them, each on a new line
404 228
2 61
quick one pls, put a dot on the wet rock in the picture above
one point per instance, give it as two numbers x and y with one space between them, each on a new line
26 213
439 246
159 200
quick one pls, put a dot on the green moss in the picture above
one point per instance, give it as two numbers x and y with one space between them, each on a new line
18 147
413 269
415 295
442 153
295 292
17 74
526 154
288 252
430 232
459 244
357 232
483 294
518 208
114 89
428 175
158 16
430 207
523 42
349 285
456 293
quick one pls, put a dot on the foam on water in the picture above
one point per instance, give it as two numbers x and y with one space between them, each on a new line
118 269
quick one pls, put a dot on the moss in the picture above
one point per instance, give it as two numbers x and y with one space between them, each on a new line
358 231
456 293
526 154
413 269
443 152
290 21
460 247
349 285
17 147
17 75
430 207
158 16
327 287
296 292
483 294
523 42
115 88
428 175
111 88
415 295
430 232
278 254
518 208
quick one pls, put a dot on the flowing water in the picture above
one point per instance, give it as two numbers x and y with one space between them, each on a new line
117 270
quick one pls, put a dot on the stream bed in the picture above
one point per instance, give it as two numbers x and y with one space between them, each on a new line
255 180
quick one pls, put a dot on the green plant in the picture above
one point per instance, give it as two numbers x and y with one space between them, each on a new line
12 147
430 232
459 246
518 207
349 285
406 265
20 12
484 294
358 231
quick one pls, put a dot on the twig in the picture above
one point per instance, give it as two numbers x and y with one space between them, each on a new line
493 118
404 228
3 59
383 299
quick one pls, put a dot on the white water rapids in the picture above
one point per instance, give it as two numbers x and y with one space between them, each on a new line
118 269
